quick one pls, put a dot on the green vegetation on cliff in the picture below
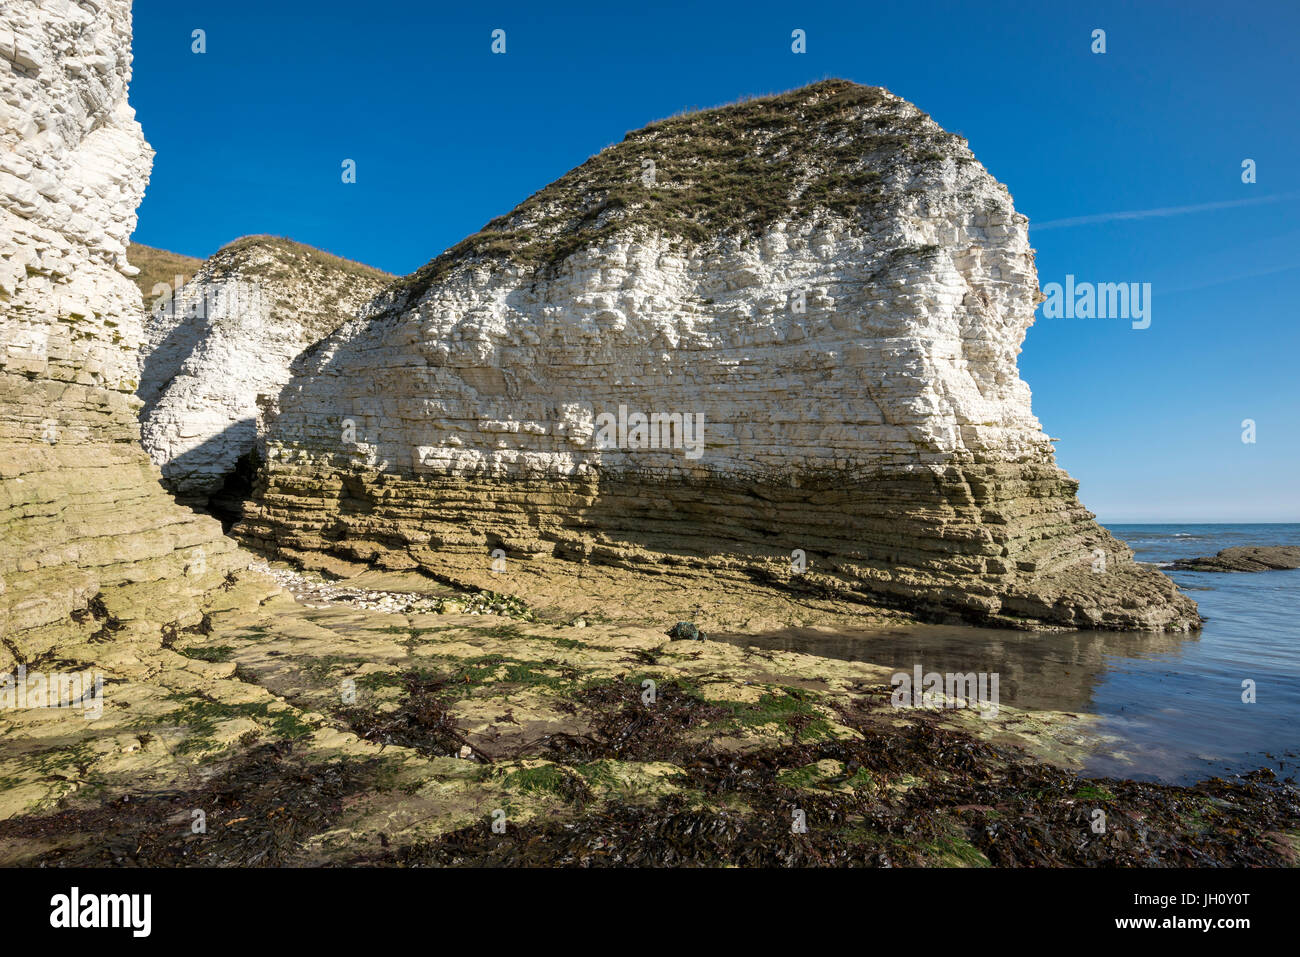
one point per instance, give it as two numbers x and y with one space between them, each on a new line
287 258
730 170
159 266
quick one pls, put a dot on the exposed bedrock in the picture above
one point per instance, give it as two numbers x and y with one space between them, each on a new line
90 543
819 297
227 336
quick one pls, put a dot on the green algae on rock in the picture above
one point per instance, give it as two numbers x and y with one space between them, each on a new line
340 735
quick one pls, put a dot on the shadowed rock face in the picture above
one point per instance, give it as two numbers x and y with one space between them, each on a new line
226 337
820 297
82 516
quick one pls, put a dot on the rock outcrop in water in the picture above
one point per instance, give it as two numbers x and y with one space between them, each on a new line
90 543
817 301
227 336
1244 558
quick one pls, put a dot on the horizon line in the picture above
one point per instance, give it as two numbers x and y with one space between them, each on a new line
1104 521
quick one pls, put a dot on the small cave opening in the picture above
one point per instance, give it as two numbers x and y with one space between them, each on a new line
226 503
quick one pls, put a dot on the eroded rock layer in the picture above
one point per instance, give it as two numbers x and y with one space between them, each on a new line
226 337
90 543
818 297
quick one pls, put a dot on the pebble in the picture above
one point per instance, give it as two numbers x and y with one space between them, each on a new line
317 593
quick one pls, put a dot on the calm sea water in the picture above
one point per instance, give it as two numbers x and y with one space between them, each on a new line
1180 709
1170 705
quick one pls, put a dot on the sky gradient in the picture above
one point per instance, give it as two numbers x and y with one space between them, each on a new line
251 135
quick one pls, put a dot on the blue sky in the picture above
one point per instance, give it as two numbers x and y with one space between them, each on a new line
251 134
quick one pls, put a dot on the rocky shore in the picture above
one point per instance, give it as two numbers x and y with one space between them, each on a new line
455 642
307 733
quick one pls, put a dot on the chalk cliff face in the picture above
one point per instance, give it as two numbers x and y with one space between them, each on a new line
228 335
85 528
826 288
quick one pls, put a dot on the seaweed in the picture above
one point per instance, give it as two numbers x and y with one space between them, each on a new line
421 720
257 811
924 795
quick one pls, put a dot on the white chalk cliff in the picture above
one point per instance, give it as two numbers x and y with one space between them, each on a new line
829 279
226 337
89 540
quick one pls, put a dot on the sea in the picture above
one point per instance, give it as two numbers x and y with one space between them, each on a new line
1174 708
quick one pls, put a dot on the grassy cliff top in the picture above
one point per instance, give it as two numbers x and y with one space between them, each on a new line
318 290
824 148
159 266
284 255
263 257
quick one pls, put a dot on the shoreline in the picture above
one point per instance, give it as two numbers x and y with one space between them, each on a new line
455 716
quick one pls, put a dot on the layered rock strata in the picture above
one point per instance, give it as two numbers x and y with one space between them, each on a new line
227 336
90 543
818 297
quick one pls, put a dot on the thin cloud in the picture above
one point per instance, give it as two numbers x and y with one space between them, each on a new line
1163 211
1221 280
